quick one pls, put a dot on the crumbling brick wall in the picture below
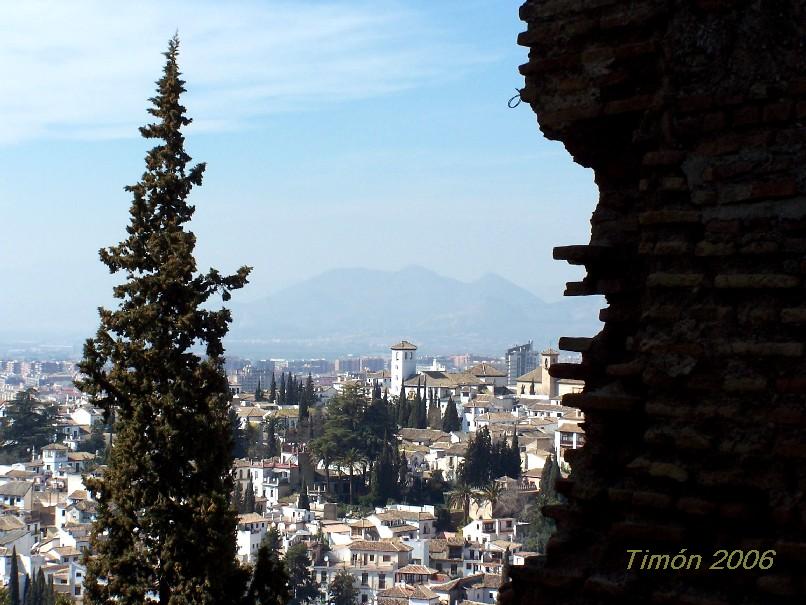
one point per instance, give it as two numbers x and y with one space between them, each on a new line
692 114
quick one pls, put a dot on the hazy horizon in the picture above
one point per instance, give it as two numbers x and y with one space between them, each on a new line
336 134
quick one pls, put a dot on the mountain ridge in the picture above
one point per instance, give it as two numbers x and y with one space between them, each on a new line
363 311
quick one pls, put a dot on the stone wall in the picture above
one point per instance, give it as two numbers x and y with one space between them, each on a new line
692 115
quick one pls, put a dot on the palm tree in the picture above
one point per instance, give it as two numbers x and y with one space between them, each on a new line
325 451
489 493
351 458
460 498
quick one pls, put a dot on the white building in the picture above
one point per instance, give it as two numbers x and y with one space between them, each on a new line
403 365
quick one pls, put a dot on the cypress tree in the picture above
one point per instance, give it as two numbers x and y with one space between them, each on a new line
515 453
281 391
303 501
164 498
249 499
269 584
450 420
532 387
258 391
14 578
273 389
26 590
413 420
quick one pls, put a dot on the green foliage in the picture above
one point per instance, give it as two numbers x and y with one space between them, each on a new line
272 540
96 441
28 424
450 420
14 578
300 579
355 431
239 443
273 389
444 521
342 589
269 584
485 460
164 498
303 500
248 502
539 529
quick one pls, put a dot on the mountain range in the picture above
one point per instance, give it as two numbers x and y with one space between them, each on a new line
363 311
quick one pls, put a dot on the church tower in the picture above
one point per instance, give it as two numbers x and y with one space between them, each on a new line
548 385
403 365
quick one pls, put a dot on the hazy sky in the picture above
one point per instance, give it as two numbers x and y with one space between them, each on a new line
337 134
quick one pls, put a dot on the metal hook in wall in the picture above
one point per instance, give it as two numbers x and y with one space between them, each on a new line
518 102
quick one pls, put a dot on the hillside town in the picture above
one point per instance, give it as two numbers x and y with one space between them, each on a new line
418 476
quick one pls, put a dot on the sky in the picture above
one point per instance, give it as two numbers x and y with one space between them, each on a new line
336 134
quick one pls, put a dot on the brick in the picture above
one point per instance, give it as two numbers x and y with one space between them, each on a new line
653 500
777 112
647 532
746 116
671 248
667 157
577 344
669 217
744 385
761 349
631 105
674 280
793 315
696 506
714 249
774 189
666 470
756 280
778 584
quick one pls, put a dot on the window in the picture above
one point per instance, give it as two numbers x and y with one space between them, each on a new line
381 580
372 557
364 579
364 598
323 577
387 558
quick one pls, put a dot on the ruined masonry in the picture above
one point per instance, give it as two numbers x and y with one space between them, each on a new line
692 115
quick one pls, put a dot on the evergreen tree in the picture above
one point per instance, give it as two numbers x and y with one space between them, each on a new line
403 408
413 420
281 391
450 420
342 589
14 578
403 471
273 389
239 445
303 501
249 499
532 387
258 391
26 591
27 425
307 399
515 457
269 584
237 498
302 586
272 540
163 500
540 528
434 415
272 444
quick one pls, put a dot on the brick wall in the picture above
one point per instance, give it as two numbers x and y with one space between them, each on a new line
693 116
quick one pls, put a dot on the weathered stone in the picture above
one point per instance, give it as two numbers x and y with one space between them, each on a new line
691 116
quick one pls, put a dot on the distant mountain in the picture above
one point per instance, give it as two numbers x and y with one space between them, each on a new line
363 311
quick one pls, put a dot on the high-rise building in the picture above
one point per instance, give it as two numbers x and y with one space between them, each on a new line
520 360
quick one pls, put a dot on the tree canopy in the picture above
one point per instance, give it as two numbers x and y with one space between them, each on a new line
164 499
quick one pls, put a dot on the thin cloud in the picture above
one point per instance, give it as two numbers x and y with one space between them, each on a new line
83 69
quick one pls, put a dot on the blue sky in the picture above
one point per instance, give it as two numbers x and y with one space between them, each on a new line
337 134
